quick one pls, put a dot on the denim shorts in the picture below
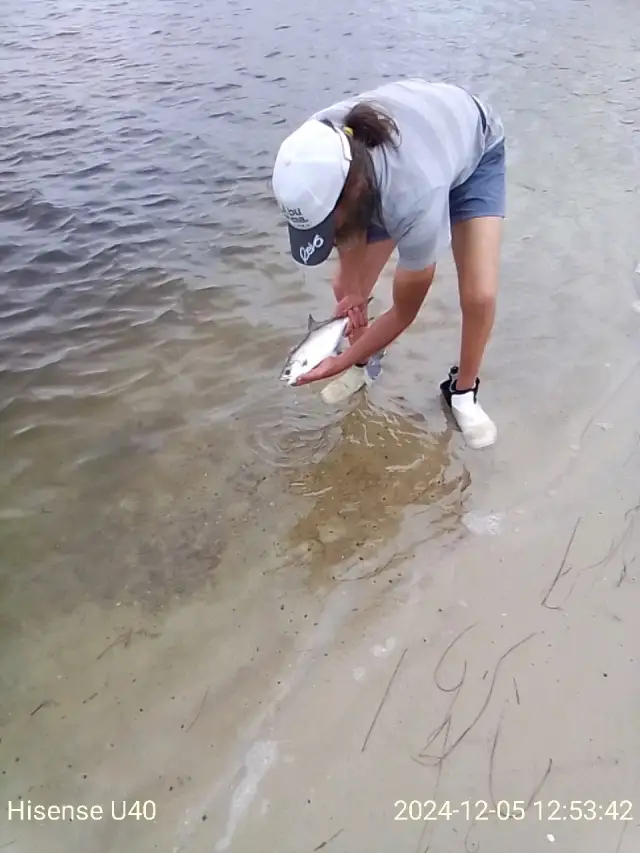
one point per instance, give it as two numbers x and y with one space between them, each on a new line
482 194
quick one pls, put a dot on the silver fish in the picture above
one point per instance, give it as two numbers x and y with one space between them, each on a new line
321 341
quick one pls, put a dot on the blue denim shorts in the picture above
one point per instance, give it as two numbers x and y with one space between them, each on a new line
482 194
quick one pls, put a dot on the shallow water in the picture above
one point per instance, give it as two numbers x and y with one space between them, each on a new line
146 298
150 457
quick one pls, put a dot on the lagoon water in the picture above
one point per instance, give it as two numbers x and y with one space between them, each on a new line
178 531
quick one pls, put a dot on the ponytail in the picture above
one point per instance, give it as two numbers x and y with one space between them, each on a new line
367 127
370 125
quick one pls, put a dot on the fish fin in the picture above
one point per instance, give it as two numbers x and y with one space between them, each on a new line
312 323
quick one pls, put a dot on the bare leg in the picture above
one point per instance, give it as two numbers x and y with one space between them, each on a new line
476 250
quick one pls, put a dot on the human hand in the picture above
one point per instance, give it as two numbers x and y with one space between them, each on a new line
325 370
354 307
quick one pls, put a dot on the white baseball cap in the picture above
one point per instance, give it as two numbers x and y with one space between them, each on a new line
309 174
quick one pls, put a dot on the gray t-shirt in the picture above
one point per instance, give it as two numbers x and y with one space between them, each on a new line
441 143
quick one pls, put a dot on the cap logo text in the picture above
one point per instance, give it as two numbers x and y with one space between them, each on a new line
296 217
307 251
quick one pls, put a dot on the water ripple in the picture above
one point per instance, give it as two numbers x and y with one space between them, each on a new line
143 266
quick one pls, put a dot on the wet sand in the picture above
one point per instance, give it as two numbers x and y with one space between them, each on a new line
272 622
501 667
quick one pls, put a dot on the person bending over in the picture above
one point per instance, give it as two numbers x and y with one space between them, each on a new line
414 166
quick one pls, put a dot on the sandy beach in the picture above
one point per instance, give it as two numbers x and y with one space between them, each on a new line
498 668
232 618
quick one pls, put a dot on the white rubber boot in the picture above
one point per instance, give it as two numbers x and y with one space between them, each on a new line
344 386
475 424
477 427
352 380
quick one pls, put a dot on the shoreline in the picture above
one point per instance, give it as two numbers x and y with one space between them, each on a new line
555 630
275 621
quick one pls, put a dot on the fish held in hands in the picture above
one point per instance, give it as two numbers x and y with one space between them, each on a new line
321 341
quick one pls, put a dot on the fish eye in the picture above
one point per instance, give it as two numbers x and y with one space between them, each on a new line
287 371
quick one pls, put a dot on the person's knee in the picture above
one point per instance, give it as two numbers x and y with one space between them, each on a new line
478 299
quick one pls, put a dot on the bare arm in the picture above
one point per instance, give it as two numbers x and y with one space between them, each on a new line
347 282
409 292
349 288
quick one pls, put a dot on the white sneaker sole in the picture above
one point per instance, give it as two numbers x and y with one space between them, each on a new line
479 438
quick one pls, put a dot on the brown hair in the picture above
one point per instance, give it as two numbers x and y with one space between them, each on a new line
367 127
